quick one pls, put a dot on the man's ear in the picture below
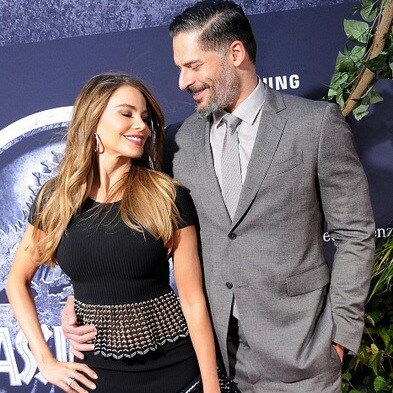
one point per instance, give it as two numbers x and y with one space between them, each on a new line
237 53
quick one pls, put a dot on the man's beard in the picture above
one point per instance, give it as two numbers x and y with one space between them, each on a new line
224 91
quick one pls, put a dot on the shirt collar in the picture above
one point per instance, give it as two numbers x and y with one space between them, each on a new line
248 110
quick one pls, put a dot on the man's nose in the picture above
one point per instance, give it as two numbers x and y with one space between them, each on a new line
185 79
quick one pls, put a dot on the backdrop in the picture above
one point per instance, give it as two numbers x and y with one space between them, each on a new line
48 49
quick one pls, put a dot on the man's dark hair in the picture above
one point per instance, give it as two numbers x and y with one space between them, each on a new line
220 22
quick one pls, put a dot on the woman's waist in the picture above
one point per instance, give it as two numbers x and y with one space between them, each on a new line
130 329
118 292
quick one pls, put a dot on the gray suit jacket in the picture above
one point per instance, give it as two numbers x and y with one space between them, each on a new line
303 170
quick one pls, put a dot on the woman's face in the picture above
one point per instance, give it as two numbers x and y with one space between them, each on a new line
123 126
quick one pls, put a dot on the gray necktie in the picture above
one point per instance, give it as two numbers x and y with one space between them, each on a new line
231 181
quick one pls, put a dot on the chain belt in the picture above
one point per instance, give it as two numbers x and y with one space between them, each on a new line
126 330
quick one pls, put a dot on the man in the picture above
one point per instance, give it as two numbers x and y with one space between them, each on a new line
264 170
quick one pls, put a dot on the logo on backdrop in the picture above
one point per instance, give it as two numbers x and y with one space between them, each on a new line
282 82
30 151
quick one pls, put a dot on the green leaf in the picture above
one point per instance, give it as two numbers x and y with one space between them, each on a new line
344 62
375 97
346 376
367 3
390 332
375 314
375 365
362 354
369 12
359 112
332 93
389 48
385 337
339 78
374 348
340 100
379 383
357 53
344 387
337 84
384 73
356 30
356 8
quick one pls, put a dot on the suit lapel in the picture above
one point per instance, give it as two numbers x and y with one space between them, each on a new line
205 165
269 134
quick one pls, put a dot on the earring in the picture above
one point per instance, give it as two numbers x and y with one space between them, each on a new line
97 138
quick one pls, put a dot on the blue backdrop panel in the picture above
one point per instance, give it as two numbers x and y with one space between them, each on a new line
47 54
27 21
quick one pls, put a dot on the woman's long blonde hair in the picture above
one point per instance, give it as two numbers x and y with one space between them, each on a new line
148 196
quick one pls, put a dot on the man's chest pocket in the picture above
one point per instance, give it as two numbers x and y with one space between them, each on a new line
283 165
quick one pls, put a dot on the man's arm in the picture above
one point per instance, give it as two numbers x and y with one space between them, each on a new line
79 336
348 214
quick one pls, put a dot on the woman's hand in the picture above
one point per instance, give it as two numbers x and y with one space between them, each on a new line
340 350
80 337
69 376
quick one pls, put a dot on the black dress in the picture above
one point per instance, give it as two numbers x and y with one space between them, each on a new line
121 285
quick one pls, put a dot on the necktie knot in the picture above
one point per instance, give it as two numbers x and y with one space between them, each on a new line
231 122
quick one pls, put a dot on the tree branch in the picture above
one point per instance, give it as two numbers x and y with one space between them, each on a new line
366 75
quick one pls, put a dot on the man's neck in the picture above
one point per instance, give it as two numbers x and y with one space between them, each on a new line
248 83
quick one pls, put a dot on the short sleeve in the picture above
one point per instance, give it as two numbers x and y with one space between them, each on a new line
186 208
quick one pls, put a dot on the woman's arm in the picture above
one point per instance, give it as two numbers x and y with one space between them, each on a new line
20 297
188 276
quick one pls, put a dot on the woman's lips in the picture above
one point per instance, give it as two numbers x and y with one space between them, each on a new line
135 139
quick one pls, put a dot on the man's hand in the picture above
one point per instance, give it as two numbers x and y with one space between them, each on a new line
79 336
340 350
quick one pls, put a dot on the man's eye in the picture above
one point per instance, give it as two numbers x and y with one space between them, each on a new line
195 67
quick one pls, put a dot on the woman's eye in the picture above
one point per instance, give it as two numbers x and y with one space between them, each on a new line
127 114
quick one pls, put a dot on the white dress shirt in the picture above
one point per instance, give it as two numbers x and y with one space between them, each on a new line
249 111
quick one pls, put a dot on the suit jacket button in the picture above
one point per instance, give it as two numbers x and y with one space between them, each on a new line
232 235
229 285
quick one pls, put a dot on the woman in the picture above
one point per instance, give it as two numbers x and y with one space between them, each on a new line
110 220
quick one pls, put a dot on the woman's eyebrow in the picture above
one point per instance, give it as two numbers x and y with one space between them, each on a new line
127 105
